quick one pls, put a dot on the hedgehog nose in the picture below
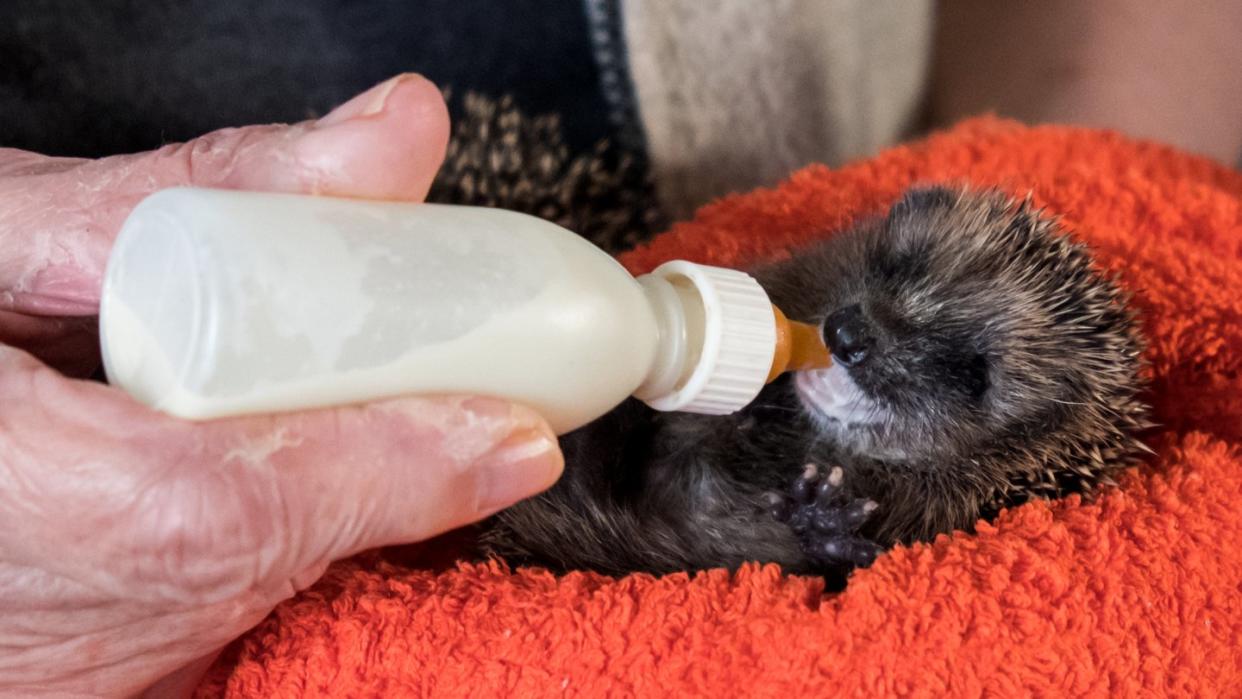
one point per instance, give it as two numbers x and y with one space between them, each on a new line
847 335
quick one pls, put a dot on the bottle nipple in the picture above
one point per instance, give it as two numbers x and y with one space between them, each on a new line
798 346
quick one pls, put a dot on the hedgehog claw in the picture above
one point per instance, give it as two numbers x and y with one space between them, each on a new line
825 522
804 486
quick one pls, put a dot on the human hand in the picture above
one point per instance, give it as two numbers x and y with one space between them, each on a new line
133 544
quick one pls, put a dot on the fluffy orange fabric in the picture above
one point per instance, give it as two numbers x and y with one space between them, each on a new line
1136 593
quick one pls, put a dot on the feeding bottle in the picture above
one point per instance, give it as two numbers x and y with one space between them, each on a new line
219 303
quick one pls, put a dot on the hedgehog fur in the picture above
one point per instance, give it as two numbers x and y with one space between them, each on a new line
500 156
982 360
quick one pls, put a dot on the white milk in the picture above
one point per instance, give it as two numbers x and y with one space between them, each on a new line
223 303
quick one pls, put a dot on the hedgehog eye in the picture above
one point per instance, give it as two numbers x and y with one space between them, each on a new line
975 378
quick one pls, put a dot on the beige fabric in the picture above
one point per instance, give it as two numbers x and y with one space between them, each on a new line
735 94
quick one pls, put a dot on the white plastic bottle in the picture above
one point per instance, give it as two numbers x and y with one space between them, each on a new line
222 303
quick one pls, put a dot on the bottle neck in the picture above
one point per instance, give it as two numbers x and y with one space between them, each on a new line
678 309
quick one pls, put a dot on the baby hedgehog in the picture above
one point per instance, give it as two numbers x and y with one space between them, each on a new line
979 361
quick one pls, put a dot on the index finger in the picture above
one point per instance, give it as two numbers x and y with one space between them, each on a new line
60 216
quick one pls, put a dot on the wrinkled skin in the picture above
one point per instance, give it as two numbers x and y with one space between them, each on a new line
133 546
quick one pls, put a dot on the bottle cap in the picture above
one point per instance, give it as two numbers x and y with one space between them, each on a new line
739 340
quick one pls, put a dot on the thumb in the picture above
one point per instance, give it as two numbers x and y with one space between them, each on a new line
205 511
399 471
327 484
386 143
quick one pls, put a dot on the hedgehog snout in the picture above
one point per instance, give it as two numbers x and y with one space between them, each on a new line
848 335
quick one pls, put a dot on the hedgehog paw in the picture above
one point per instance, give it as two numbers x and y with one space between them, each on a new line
825 522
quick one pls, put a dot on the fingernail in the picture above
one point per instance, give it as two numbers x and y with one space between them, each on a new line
367 104
525 463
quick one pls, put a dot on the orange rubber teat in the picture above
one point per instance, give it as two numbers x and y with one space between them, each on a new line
798 346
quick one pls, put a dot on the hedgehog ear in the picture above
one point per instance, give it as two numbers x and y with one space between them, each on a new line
922 199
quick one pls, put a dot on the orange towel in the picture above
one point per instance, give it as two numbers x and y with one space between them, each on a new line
1136 593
